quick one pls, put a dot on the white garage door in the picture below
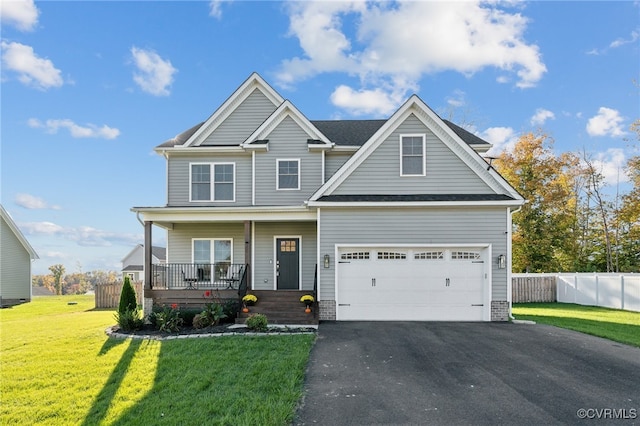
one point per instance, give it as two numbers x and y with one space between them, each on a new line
411 284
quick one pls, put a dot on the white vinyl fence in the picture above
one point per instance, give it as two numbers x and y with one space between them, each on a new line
618 291
610 290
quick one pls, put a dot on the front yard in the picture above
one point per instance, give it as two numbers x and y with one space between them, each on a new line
58 367
614 324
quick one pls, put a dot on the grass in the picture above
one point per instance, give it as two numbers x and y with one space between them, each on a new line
57 367
614 324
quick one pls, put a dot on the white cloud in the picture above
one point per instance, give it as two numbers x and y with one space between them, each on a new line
541 116
502 139
85 236
397 43
153 74
87 131
607 122
619 42
32 202
611 165
23 14
215 8
31 69
361 102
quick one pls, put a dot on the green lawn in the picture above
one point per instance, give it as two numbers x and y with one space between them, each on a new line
57 367
613 324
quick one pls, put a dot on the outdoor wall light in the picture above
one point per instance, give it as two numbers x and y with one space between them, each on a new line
326 260
502 261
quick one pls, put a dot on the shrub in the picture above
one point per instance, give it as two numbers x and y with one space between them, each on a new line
201 321
230 309
257 322
128 301
129 320
211 315
167 319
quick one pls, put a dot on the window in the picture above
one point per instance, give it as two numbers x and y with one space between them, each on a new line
288 174
390 255
412 155
356 255
212 251
213 182
465 255
429 255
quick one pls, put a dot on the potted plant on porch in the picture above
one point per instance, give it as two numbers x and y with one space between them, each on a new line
248 300
307 299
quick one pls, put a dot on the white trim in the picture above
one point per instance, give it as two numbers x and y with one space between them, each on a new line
212 181
20 236
424 153
487 203
224 111
509 259
212 248
278 160
323 165
253 253
275 258
286 109
487 284
430 119
318 254
253 178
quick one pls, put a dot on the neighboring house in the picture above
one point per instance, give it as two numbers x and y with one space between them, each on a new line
395 219
133 263
16 255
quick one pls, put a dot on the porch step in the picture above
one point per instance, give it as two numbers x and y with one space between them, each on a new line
281 307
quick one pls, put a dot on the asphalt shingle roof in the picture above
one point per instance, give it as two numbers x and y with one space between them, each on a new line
416 197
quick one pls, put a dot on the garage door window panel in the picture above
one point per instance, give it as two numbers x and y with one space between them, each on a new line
388 255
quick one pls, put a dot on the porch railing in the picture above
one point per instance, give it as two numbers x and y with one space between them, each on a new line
197 275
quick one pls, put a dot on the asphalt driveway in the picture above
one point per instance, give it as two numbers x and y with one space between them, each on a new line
382 373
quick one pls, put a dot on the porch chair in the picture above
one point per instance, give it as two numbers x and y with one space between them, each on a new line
190 276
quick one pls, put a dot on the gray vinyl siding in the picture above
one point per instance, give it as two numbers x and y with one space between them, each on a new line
395 226
179 185
333 161
287 141
181 237
15 266
264 249
380 172
243 121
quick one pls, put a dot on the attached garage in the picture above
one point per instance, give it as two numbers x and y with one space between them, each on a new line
423 283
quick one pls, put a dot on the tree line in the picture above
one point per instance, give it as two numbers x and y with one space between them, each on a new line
75 283
573 220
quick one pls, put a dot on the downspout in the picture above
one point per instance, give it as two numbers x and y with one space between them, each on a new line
509 263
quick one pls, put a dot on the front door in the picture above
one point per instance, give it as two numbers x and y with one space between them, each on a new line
287 263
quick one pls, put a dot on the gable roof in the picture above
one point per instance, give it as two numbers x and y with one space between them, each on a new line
159 252
286 109
14 228
252 83
414 105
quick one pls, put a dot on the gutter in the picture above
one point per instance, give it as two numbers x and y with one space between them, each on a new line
510 279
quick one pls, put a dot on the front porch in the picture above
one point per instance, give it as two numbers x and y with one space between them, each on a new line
192 286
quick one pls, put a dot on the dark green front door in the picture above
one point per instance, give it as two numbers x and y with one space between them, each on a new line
288 263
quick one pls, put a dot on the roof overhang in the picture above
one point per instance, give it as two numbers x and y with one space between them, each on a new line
352 204
166 217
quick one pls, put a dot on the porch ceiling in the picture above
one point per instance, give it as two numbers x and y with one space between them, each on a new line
165 217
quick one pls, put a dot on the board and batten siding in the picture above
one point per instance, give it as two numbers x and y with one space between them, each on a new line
397 227
246 118
15 266
179 173
379 173
287 141
264 249
180 239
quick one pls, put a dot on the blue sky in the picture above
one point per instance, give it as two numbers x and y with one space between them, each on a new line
88 89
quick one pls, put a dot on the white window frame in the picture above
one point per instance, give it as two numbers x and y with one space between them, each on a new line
424 154
212 254
212 182
278 161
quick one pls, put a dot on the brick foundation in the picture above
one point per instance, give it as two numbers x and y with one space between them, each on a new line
327 310
499 310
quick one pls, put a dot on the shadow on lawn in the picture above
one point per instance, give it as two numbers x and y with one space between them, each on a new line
106 395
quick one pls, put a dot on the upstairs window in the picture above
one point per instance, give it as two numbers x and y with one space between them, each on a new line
213 182
412 155
288 174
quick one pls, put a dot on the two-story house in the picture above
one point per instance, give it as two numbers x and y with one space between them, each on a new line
393 219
